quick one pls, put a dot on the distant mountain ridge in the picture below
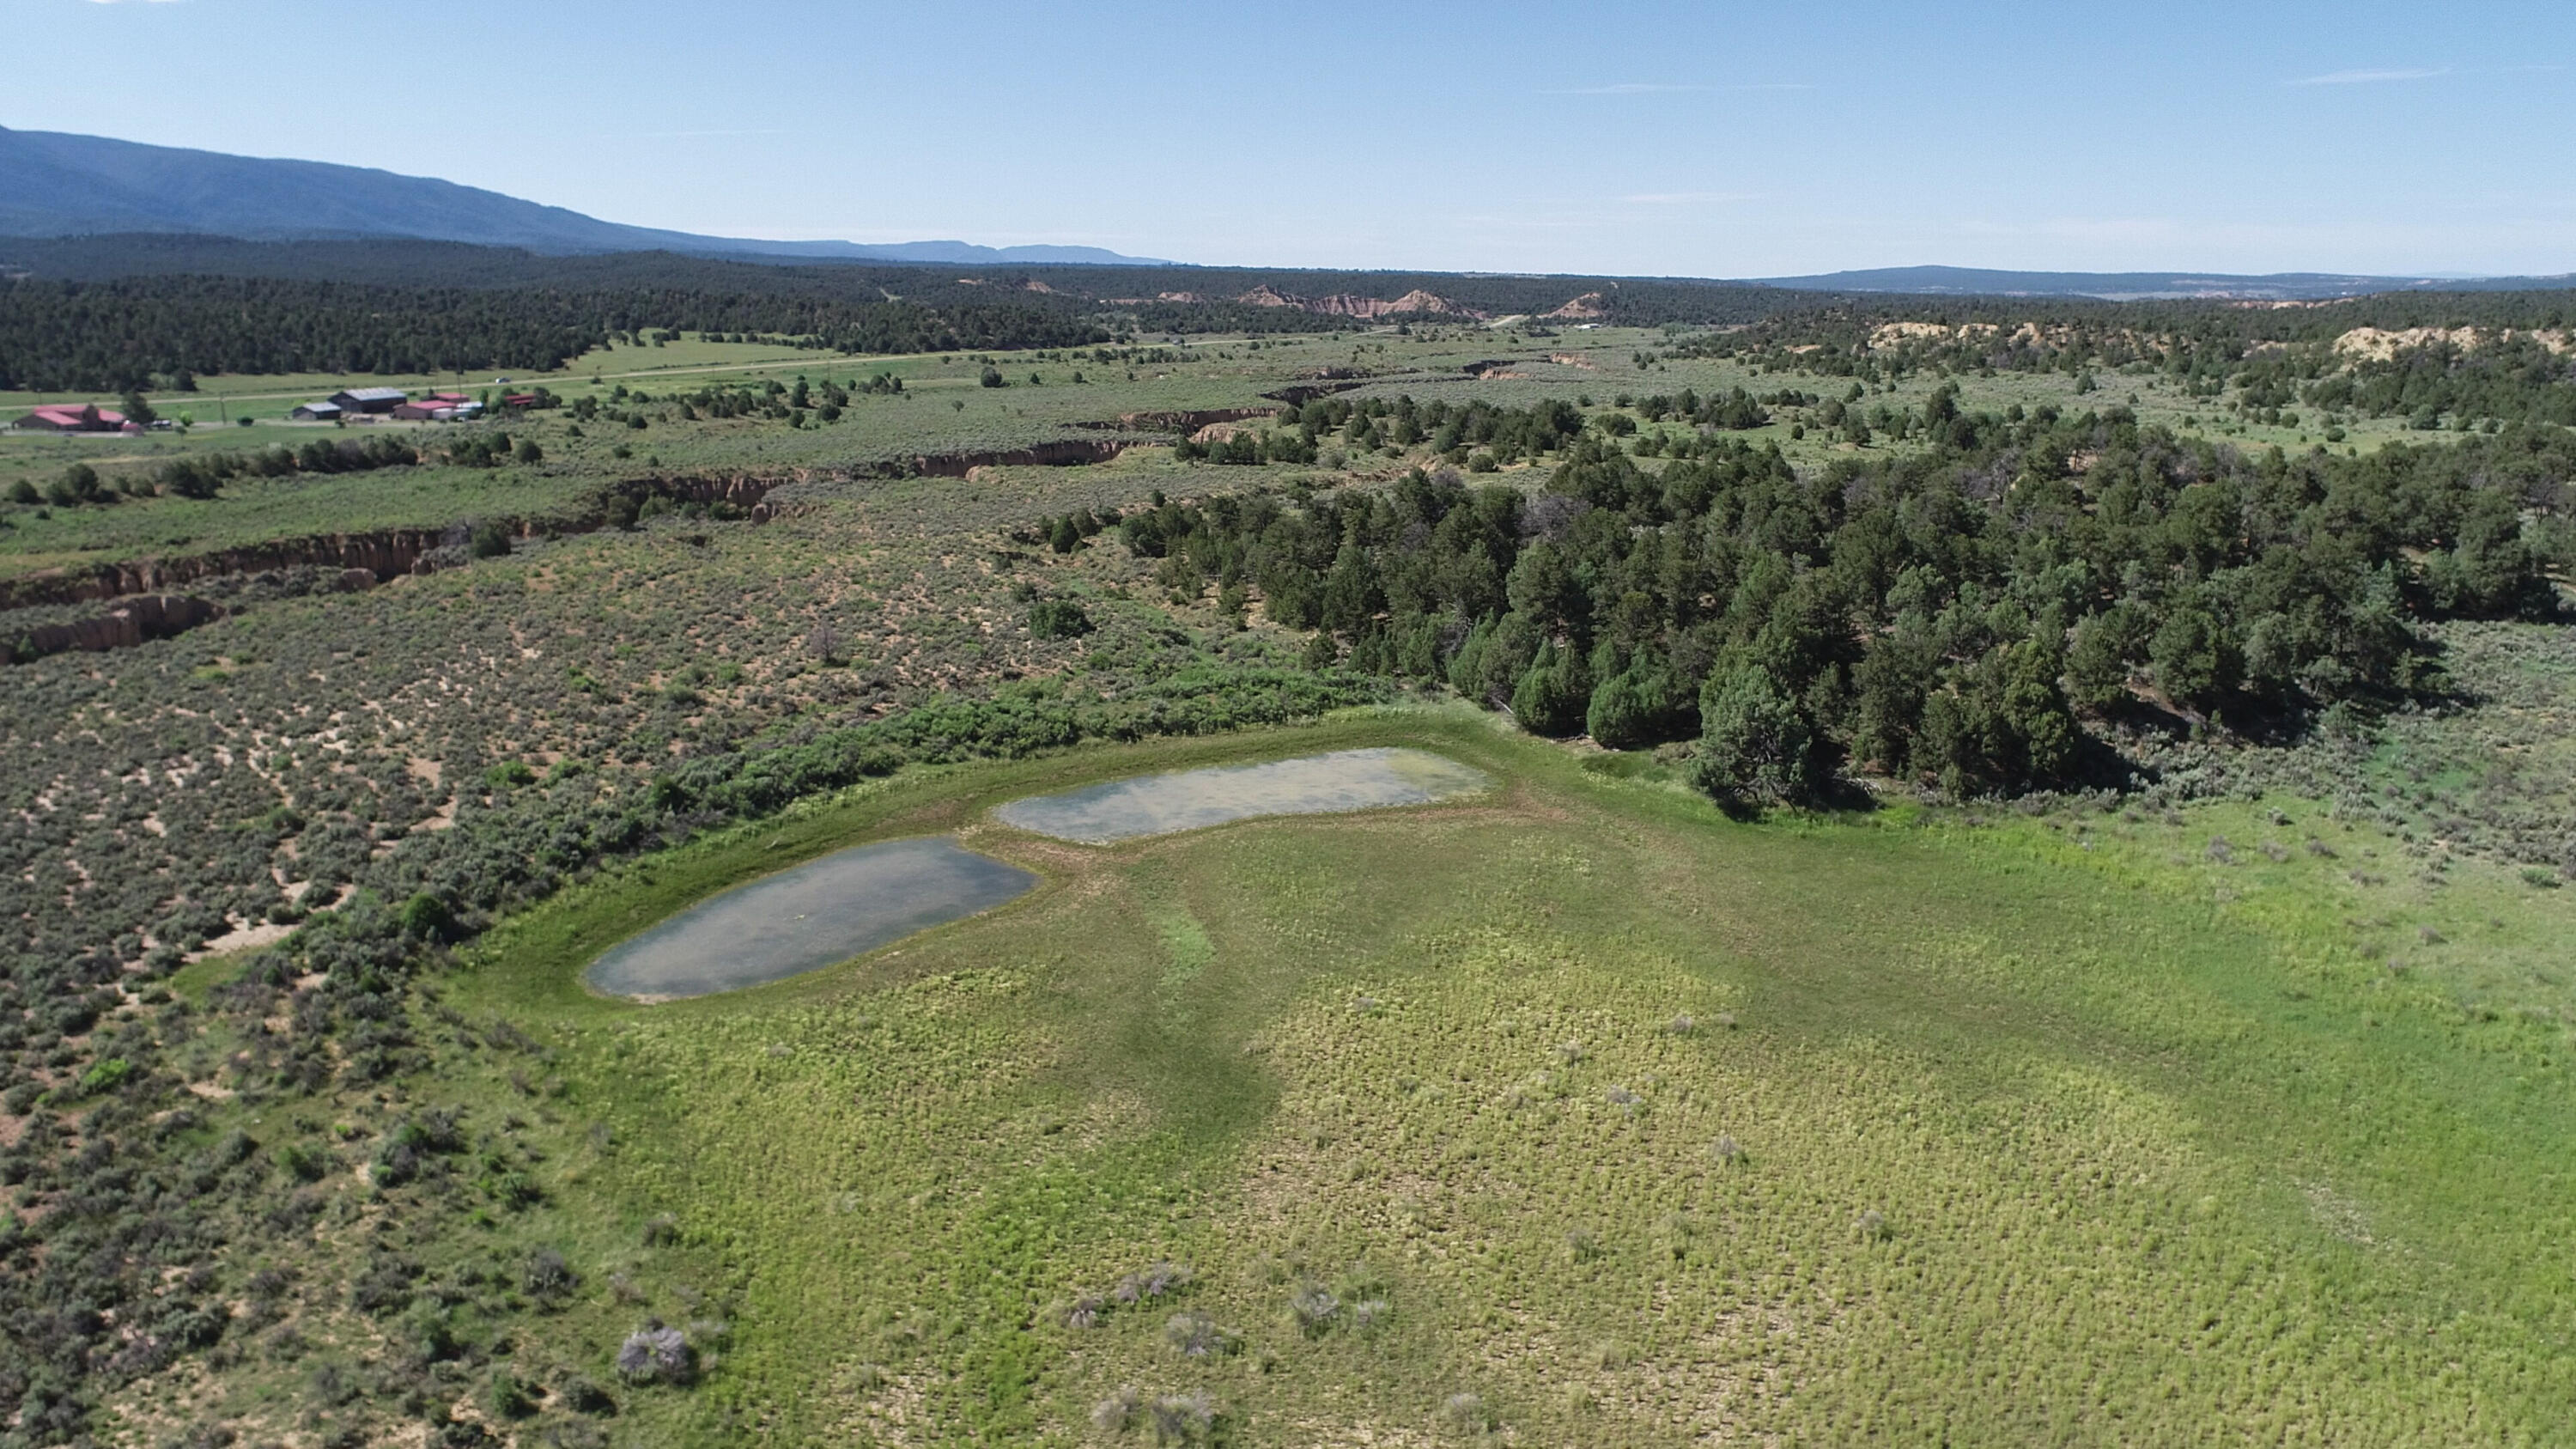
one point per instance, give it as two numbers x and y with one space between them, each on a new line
55 184
2142 286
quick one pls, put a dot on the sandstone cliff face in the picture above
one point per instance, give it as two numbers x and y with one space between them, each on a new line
1043 455
747 493
150 611
1413 302
1345 304
383 553
149 616
1183 422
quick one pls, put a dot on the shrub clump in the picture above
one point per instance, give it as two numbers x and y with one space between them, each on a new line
510 1396
656 1354
1315 1309
1115 1413
1193 1334
547 1277
1058 619
1183 1418
585 1397
1358 1302
1465 1414
1152 1282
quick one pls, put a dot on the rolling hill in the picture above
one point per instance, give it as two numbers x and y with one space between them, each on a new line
2145 286
54 184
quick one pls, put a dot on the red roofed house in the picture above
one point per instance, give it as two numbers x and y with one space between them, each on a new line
439 407
74 418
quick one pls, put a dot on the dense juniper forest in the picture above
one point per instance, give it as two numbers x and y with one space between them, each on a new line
1941 616
2488 359
1964 605
110 314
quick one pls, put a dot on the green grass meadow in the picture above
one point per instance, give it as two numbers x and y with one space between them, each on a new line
943 410
1634 1123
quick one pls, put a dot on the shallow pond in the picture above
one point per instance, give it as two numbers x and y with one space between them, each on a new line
824 911
1195 799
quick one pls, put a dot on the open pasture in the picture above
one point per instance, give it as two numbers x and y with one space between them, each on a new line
218 398
645 426
1572 1112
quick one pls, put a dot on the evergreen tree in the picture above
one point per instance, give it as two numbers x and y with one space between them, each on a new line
1754 745
1553 693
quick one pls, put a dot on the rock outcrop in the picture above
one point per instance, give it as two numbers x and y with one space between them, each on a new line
148 616
1411 303
383 553
1347 304
1060 454
1181 422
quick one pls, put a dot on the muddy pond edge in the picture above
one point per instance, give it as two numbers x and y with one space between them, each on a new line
537 959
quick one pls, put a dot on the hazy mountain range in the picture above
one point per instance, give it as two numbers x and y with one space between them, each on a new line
53 184
2135 286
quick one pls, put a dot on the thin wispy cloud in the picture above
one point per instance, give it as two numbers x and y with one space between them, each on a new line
1550 221
1648 88
1685 198
1626 88
2369 77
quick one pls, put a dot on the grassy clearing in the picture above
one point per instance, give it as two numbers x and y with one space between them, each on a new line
945 409
254 510
273 395
2065 1128
2058 1129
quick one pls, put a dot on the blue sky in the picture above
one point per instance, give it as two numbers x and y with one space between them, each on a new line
1709 139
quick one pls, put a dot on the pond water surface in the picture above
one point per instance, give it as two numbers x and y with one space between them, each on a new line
808 917
1195 799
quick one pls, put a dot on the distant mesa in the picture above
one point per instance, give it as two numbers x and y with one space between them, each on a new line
1345 304
2276 288
1582 308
